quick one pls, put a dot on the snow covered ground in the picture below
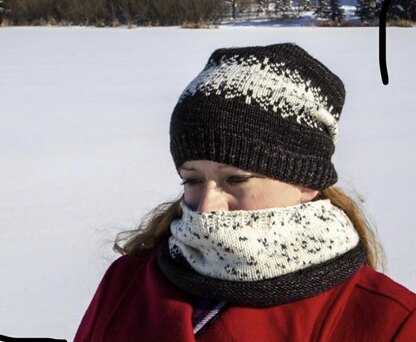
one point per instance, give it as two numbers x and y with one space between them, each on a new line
84 117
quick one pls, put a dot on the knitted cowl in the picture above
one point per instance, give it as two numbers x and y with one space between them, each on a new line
261 257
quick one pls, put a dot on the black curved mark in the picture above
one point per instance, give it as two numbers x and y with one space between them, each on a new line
382 42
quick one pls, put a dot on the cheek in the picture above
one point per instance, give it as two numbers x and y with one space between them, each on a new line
271 195
250 203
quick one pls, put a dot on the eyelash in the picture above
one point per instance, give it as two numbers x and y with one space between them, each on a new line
234 180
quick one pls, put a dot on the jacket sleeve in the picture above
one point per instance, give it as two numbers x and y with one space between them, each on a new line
407 331
107 295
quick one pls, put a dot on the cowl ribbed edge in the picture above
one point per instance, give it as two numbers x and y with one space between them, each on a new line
283 289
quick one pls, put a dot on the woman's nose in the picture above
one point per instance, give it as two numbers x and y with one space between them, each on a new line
213 198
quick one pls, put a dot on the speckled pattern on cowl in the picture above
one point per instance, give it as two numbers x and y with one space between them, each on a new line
251 245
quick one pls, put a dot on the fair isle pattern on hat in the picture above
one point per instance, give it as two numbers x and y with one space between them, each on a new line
273 86
272 110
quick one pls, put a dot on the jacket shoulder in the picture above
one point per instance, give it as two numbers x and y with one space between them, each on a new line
378 309
125 265
115 282
382 287
122 272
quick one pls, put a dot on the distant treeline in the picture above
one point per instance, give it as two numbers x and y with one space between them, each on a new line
108 12
182 12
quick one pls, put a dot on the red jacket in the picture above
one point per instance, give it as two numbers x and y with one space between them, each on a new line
134 302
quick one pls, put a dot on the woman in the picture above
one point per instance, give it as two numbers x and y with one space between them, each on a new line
261 246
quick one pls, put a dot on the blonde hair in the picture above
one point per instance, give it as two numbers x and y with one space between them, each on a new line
154 227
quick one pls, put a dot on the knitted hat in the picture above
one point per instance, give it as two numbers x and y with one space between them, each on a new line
272 110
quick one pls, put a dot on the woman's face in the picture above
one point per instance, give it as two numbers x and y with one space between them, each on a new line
212 186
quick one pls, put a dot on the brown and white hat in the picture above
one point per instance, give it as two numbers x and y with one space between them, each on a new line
272 110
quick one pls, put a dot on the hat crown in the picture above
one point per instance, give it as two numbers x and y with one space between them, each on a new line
267 76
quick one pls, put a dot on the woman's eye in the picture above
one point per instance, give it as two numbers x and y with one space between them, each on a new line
238 179
190 181
234 180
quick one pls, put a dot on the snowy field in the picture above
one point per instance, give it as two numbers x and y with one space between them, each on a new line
84 117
